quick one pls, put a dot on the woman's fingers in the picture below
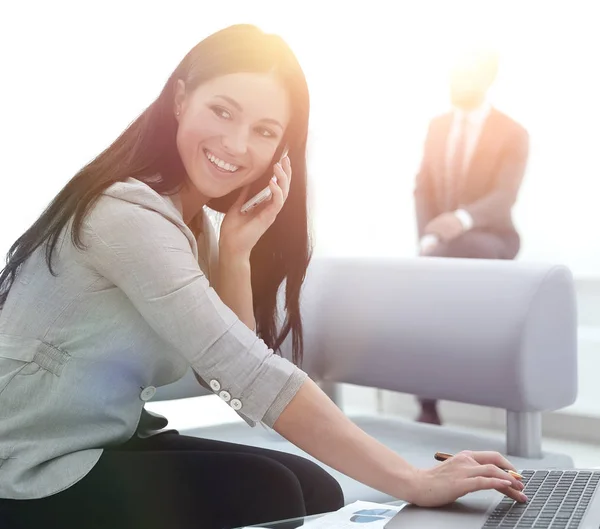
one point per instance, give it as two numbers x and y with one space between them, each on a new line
501 485
279 186
513 494
485 475
278 194
492 471
485 483
269 212
483 472
283 178
492 458
287 166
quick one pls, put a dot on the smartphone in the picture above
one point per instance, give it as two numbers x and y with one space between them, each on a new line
261 196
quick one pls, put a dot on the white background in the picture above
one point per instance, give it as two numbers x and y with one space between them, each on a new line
73 75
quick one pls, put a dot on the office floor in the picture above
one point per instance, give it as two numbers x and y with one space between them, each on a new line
209 410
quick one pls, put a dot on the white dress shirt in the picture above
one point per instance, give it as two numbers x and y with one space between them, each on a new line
475 120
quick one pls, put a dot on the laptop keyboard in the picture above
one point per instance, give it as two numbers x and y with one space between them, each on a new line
557 499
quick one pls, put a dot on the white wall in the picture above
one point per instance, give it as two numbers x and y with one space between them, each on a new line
74 74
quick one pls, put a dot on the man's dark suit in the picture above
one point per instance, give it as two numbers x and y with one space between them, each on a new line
487 190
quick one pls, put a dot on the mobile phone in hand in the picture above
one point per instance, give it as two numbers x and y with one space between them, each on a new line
261 196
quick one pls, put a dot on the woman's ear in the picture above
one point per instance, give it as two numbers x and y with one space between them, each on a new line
179 98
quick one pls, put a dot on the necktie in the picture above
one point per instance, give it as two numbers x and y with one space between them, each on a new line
456 166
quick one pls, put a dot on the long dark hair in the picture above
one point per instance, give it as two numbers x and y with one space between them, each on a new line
147 149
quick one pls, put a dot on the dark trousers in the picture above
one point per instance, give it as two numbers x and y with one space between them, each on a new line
172 481
480 244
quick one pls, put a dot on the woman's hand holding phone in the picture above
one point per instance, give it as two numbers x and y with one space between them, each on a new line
263 195
241 231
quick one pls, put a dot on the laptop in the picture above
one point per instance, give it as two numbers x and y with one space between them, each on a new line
565 499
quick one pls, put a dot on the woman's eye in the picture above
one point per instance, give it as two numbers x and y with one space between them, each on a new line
266 133
221 112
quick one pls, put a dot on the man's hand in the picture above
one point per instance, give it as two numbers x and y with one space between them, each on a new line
446 226
428 244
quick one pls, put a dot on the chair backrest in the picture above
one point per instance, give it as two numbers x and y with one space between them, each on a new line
494 333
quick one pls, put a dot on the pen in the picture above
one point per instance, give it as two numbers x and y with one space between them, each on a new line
441 456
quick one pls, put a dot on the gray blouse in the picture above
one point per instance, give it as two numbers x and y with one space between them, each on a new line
80 352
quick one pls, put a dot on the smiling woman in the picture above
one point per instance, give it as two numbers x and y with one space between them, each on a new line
128 236
263 105
121 286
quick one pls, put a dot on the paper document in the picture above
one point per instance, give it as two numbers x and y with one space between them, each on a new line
357 515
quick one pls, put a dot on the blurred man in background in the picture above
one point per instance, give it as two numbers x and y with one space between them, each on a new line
471 171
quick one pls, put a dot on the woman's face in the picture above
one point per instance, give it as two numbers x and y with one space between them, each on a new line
229 129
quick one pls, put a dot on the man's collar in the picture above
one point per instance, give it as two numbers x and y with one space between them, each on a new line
476 115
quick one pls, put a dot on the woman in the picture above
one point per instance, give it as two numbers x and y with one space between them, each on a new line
120 286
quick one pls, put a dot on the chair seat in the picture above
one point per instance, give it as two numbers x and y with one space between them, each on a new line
415 442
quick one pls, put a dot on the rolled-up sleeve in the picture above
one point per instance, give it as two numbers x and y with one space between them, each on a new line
148 256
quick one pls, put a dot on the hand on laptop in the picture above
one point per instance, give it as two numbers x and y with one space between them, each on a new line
466 472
